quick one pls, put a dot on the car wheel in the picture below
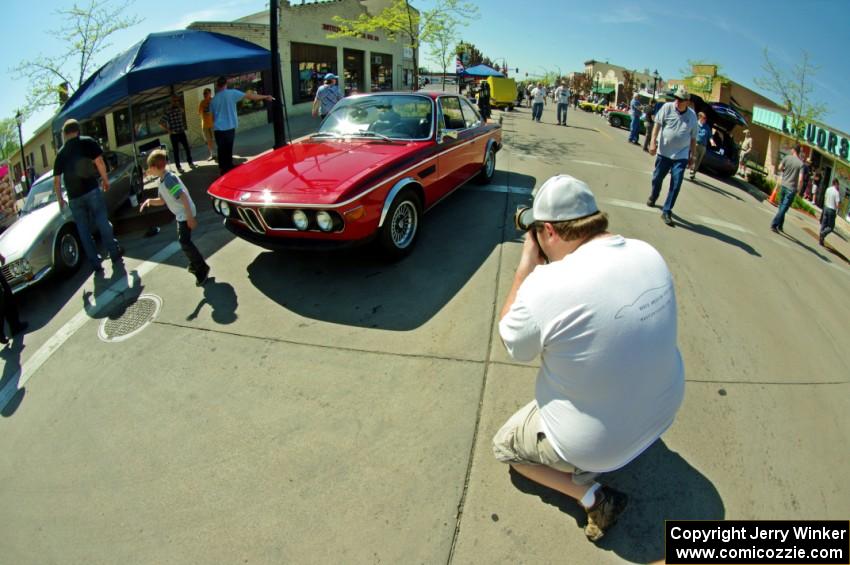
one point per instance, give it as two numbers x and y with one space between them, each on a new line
616 121
67 255
488 169
401 226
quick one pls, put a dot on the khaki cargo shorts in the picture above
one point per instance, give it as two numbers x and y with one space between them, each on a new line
522 440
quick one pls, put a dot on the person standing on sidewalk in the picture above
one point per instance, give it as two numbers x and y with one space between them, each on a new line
223 108
538 98
78 162
673 138
600 312
562 96
648 117
703 135
746 151
791 169
207 121
634 128
831 200
174 122
9 310
326 97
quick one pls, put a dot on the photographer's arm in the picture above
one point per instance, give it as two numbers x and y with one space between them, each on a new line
531 258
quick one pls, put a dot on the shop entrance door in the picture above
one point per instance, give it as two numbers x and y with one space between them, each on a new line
352 68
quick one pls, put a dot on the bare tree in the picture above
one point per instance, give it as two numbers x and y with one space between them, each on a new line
794 87
441 46
85 33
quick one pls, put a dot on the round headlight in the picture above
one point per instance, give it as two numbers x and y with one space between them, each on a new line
217 205
299 218
16 268
225 209
326 223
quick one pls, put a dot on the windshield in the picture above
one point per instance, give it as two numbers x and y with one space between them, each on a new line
392 116
41 194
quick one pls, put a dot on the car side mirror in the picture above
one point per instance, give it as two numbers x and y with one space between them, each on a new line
450 133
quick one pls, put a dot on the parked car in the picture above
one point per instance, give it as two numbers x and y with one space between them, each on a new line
623 118
376 164
502 92
722 157
44 240
591 106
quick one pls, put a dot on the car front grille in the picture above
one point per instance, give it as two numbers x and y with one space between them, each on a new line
7 274
250 218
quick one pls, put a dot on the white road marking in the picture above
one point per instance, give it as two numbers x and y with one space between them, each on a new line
609 166
722 224
498 188
34 363
628 204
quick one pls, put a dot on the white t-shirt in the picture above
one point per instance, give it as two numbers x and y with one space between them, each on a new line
831 199
562 94
677 131
539 95
603 320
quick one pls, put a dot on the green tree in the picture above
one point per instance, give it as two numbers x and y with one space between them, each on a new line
9 142
85 33
401 22
794 87
441 52
471 55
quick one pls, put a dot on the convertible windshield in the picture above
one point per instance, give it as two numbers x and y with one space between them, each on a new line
380 116
40 195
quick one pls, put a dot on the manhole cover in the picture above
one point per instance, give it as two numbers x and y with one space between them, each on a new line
134 319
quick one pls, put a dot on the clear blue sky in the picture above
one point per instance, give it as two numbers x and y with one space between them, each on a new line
554 33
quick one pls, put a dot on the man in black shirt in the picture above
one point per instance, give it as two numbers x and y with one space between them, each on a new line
174 122
79 162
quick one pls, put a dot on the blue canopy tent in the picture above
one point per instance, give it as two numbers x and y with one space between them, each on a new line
161 64
482 71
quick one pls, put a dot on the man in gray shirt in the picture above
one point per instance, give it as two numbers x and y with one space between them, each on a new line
791 169
674 136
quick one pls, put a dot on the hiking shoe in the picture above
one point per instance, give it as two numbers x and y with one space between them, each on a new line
667 218
610 503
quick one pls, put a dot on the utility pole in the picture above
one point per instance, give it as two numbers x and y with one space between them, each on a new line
277 91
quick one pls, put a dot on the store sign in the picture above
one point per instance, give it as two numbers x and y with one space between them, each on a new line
408 53
816 135
336 29
700 83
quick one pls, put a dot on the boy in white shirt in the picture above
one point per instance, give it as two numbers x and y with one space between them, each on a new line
174 194
831 199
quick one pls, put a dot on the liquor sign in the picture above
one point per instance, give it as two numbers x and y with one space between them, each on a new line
336 29
699 83
825 139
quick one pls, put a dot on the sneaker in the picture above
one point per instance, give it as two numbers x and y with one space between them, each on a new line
651 203
774 229
667 218
820 241
180 170
610 503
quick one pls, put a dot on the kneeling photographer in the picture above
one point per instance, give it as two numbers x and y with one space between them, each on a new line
600 310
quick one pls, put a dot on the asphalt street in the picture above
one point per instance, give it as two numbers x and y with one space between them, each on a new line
333 408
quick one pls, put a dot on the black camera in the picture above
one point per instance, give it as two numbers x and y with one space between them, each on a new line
518 219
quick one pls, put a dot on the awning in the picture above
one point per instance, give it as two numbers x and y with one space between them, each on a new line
163 61
603 90
482 71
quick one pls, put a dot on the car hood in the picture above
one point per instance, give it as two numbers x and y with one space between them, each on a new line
313 171
20 236
719 114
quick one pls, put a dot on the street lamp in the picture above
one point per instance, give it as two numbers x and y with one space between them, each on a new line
19 119
655 78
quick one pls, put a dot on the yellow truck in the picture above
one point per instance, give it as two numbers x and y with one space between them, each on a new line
502 92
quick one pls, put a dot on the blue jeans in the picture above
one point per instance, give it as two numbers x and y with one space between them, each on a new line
787 196
634 130
537 111
562 110
676 168
88 208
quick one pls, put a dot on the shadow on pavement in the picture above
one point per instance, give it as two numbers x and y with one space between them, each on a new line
221 297
661 486
102 304
802 245
720 236
740 184
716 189
359 288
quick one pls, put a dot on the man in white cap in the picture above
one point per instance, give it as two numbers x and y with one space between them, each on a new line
674 138
600 311
326 97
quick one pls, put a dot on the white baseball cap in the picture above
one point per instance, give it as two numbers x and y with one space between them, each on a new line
561 198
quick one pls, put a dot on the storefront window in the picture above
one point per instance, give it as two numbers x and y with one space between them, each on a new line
382 72
353 71
248 82
146 119
310 64
96 128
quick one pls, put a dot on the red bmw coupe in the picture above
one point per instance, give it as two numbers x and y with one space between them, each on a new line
376 164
